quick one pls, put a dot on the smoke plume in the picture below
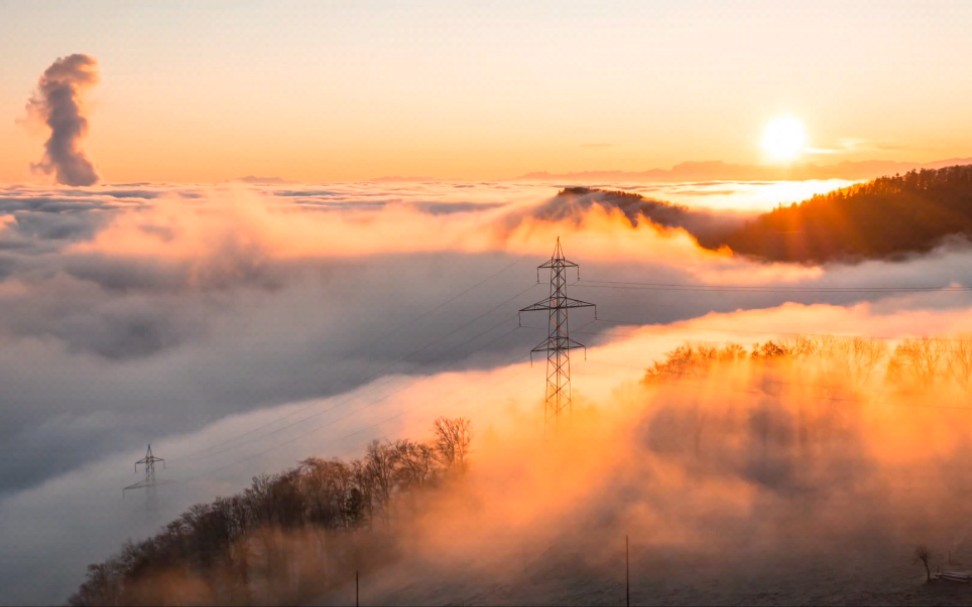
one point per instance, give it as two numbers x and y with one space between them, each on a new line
57 102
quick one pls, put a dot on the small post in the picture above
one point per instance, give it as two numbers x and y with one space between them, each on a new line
627 575
356 604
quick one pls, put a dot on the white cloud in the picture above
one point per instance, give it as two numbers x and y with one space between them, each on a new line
187 316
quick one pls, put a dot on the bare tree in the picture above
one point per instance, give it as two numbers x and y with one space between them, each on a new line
452 438
865 354
414 463
769 350
960 360
801 345
922 554
917 361
732 352
379 464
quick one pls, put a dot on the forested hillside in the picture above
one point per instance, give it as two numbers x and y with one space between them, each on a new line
800 470
287 537
887 217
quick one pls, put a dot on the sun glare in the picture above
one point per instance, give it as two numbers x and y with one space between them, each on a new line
784 139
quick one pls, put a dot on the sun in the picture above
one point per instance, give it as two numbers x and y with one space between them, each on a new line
784 139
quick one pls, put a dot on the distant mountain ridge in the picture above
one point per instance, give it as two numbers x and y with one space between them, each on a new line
724 171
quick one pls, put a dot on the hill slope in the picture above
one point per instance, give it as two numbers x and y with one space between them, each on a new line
796 471
886 217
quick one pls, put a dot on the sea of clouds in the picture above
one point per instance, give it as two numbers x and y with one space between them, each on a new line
241 327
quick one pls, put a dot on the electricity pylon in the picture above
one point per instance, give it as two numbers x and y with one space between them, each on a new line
558 343
149 483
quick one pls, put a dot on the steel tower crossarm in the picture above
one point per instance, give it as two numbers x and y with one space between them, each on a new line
149 484
558 343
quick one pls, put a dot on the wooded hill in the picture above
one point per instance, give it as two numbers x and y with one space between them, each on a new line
889 217
795 420
286 538
884 218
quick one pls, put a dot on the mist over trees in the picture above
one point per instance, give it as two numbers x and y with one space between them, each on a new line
571 203
288 536
913 363
770 457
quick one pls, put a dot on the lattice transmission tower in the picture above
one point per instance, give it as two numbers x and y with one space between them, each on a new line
149 484
558 343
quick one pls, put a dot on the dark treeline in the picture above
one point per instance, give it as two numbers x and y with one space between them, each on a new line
888 217
705 225
885 218
287 537
634 206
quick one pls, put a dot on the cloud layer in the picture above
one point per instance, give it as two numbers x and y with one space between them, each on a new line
208 320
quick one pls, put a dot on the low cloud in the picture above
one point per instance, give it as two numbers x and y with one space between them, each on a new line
143 312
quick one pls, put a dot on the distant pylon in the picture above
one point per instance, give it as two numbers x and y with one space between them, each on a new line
558 343
149 483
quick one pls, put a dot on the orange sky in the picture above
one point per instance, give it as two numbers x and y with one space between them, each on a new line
346 91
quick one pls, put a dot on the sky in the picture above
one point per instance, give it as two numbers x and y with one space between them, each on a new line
242 325
325 91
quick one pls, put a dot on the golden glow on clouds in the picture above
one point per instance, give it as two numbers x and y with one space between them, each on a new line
225 222
745 196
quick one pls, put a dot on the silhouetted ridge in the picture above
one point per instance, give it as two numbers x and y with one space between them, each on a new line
573 203
634 206
886 217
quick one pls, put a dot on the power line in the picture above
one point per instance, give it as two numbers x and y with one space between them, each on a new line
592 284
358 430
658 286
357 396
438 307
209 451
405 410
350 398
